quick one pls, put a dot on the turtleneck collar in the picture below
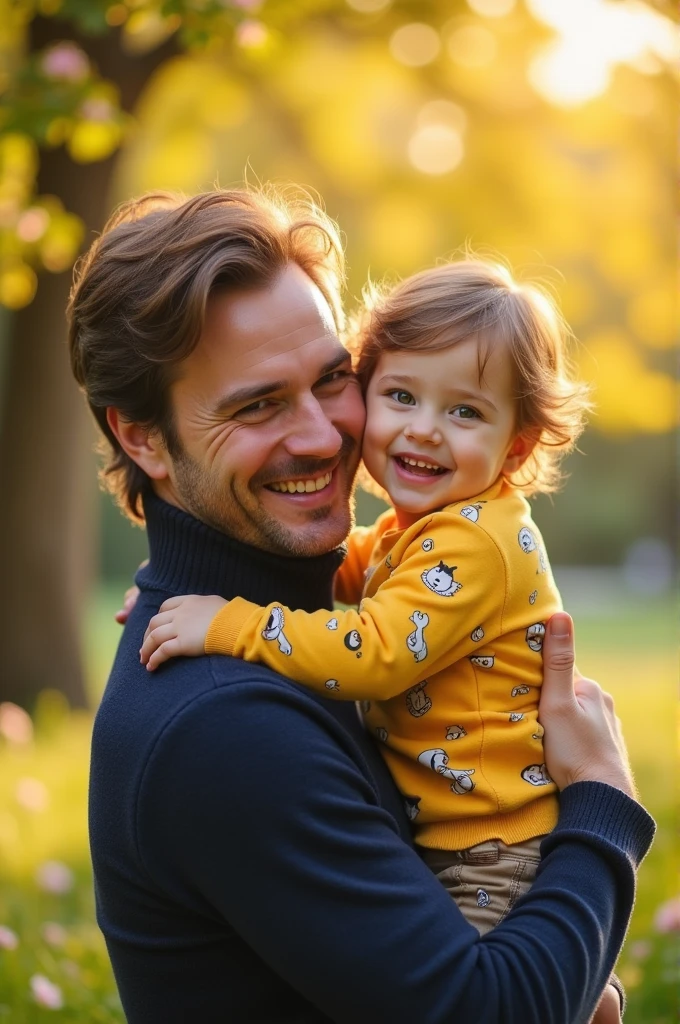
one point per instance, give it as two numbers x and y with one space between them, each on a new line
188 557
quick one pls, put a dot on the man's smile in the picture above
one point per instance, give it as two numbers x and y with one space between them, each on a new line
305 486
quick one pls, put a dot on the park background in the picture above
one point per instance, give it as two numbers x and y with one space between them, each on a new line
542 131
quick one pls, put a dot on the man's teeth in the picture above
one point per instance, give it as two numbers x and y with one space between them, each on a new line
419 463
302 486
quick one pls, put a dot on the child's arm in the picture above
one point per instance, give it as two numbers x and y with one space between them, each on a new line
421 619
350 577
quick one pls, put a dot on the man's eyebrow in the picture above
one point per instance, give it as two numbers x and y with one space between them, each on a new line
407 382
251 394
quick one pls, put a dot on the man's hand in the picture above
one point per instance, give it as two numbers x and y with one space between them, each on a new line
609 1008
179 629
583 740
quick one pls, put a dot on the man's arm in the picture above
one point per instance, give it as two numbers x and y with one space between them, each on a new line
261 800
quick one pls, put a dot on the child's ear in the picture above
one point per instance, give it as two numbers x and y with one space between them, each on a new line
143 446
519 451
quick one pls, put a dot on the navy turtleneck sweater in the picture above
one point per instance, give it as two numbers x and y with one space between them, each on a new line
251 856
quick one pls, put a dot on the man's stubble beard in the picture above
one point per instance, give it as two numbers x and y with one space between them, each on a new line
222 509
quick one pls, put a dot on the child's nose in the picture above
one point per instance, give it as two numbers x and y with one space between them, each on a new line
423 428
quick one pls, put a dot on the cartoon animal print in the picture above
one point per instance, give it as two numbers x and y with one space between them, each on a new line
542 564
455 732
516 716
536 775
483 660
477 634
427 544
353 641
418 702
381 733
365 706
526 539
532 597
483 898
534 636
440 580
438 760
274 631
411 807
388 561
332 624
519 691
471 512
332 684
415 641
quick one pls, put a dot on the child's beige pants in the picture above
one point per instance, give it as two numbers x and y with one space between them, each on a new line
486 880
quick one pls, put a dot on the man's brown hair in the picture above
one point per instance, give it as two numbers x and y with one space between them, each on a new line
474 297
139 297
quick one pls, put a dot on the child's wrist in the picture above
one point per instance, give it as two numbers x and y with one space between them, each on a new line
225 627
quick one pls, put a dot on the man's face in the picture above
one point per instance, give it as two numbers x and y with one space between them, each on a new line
269 418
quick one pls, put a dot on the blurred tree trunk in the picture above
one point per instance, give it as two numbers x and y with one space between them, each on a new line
47 512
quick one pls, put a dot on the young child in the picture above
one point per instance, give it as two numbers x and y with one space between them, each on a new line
469 404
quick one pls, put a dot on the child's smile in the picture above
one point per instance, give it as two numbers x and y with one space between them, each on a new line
436 433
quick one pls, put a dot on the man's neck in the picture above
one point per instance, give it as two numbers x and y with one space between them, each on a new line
189 557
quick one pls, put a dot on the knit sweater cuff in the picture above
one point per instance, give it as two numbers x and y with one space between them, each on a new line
224 629
608 814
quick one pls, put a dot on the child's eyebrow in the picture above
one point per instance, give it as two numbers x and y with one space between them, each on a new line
458 393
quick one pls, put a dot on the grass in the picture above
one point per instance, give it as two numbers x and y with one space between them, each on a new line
46 897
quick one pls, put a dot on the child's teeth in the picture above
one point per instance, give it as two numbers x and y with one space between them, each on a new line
420 464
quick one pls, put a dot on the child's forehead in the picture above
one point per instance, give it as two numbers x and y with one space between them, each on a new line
483 357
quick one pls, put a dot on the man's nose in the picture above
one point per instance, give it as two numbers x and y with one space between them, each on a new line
423 427
312 432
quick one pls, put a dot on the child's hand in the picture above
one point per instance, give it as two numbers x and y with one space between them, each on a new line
179 629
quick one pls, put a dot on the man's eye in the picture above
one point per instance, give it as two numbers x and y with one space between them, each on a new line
336 377
466 412
402 397
255 409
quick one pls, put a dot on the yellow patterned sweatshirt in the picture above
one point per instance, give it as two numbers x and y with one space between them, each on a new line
444 653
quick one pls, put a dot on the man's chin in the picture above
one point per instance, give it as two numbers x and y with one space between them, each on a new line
317 536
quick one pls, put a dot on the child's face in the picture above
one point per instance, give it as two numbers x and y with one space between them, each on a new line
431 407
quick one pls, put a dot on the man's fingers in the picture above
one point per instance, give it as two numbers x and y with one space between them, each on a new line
558 659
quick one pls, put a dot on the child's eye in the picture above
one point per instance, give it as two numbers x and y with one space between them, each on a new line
466 412
402 397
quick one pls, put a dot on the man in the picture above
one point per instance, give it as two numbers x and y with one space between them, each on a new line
252 858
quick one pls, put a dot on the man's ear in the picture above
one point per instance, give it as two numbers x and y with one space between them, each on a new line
519 451
143 446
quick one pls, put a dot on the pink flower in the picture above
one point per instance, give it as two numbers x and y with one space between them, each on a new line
32 794
33 224
15 724
65 61
251 33
54 877
640 950
53 933
46 993
247 5
8 938
667 917
96 109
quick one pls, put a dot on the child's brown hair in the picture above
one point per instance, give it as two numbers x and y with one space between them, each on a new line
437 308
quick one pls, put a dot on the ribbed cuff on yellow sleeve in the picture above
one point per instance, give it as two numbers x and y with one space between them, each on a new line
224 629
